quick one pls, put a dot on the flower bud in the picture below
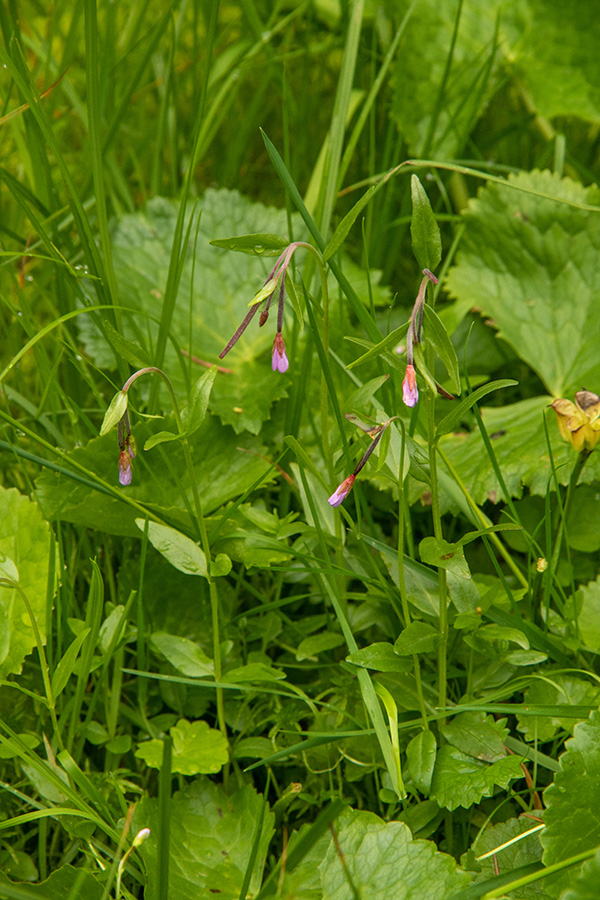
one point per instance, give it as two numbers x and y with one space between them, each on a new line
341 492
410 392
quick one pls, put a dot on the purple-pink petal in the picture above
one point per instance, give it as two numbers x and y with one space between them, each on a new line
125 470
279 361
342 491
410 392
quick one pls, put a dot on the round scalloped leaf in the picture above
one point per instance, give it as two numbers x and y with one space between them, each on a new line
383 861
26 539
212 837
197 749
519 443
572 802
529 263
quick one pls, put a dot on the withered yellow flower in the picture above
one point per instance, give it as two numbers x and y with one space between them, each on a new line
579 422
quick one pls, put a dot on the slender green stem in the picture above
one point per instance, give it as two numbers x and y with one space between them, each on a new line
437 530
402 579
483 519
575 476
212 587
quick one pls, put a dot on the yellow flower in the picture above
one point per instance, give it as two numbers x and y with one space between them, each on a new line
579 422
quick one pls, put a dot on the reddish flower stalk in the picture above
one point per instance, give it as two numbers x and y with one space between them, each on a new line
410 392
342 491
279 360
126 449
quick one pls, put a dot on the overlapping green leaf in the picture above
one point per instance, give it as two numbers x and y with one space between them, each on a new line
160 479
519 443
211 841
382 860
530 264
573 801
25 538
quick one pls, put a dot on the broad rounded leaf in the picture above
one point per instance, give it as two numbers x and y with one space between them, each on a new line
572 802
385 862
197 749
461 780
440 553
212 835
26 539
522 260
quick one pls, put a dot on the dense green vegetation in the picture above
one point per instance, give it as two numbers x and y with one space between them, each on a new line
308 606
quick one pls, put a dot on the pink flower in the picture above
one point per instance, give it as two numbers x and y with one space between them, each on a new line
410 393
280 362
125 470
340 494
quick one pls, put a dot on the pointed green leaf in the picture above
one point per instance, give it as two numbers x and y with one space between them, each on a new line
418 637
393 338
128 350
424 229
341 232
457 412
379 656
440 553
436 334
421 753
477 735
178 549
114 413
161 437
184 655
193 416
257 244
66 664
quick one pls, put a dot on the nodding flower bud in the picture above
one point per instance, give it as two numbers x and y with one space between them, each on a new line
341 492
125 471
279 362
410 392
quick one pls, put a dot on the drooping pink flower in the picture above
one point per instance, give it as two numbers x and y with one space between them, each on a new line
280 362
341 492
410 392
125 470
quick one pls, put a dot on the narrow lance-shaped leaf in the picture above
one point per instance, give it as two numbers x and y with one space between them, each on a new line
178 549
424 230
341 232
261 244
114 413
128 350
437 335
455 415
194 414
